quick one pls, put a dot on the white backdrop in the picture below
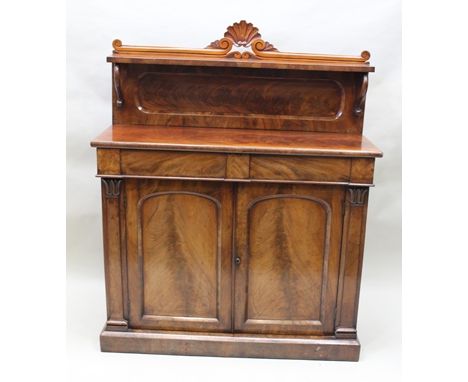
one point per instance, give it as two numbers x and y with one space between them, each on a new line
332 26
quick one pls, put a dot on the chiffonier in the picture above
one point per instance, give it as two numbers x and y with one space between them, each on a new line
235 183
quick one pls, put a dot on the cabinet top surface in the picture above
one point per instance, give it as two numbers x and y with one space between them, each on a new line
236 141
254 52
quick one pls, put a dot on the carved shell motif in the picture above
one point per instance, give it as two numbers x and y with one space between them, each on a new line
241 34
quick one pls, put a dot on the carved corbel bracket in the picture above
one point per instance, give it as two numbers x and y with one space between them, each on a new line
361 99
118 90
357 196
112 187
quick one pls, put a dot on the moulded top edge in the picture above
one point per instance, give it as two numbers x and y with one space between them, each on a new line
259 64
236 141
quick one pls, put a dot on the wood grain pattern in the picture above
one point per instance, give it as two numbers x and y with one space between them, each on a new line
208 94
108 161
238 98
167 163
362 170
287 240
237 166
299 168
236 141
178 240
289 233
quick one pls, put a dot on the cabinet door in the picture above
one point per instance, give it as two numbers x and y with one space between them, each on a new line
287 258
179 259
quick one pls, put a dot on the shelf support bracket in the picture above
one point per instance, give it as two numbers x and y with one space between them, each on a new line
117 88
359 106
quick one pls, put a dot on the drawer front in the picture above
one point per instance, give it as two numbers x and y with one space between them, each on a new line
234 167
172 163
300 168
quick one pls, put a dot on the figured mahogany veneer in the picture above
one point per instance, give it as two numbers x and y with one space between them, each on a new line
227 167
234 191
169 163
239 98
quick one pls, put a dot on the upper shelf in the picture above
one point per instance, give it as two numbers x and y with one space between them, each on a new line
262 54
236 141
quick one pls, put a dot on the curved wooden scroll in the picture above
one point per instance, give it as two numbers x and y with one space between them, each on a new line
118 91
241 34
361 100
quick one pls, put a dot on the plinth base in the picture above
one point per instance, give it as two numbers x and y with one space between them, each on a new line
230 345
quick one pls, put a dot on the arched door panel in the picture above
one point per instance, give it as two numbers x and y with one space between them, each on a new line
179 237
287 248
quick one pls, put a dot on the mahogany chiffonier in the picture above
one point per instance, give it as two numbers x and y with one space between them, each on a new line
235 184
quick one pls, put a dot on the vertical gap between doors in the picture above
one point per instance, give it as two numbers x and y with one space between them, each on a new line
233 253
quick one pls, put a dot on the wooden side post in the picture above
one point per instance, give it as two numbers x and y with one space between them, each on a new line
352 250
113 264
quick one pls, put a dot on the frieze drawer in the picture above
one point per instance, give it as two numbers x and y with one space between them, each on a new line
172 163
300 168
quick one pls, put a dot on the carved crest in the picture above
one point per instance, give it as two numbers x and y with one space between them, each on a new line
240 34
